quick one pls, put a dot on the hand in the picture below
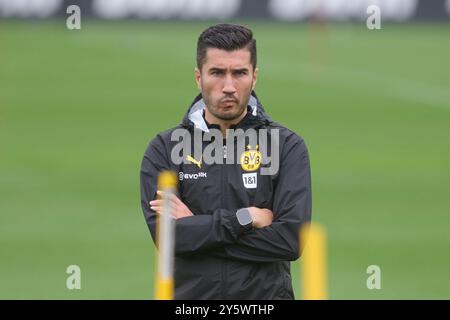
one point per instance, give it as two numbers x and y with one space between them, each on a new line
261 217
178 208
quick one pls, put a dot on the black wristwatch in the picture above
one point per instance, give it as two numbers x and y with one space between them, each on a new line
245 219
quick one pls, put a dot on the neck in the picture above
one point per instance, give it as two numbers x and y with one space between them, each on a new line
223 124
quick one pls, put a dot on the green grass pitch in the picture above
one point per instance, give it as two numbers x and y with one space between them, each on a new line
77 109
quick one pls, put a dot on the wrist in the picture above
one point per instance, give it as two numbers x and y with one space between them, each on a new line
254 218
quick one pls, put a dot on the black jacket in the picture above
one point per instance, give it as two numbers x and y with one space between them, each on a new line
214 259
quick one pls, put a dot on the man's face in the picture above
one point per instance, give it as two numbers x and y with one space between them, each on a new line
226 81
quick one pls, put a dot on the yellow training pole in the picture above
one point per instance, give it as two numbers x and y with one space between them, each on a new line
167 182
313 262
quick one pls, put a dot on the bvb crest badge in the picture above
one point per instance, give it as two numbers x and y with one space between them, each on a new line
251 159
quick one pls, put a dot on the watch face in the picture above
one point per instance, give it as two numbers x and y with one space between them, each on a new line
244 217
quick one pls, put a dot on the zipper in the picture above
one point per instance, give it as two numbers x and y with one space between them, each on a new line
223 266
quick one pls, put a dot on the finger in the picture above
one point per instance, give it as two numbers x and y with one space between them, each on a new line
177 200
160 193
172 201
175 204
156 202
157 209
160 201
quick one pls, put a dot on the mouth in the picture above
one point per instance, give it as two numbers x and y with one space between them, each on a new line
228 103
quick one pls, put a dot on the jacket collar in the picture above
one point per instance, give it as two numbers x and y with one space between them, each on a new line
255 114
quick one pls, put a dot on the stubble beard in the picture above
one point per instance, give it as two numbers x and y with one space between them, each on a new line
215 110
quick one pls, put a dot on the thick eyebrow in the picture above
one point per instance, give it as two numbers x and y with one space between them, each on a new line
224 70
216 69
241 70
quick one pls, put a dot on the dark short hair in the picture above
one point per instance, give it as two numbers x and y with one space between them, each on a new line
227 37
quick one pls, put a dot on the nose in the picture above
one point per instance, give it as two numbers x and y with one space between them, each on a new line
228 87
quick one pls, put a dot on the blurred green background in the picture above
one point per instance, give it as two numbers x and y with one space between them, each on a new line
77 109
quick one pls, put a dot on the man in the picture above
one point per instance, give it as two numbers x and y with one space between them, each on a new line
236 226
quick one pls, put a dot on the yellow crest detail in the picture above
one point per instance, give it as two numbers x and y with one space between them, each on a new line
251 159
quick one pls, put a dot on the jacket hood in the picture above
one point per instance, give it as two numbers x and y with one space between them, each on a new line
255 116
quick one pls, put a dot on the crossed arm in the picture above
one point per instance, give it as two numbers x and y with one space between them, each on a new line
261 217
275 234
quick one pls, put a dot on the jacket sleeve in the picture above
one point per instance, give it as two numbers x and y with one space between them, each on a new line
192 234
291 208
